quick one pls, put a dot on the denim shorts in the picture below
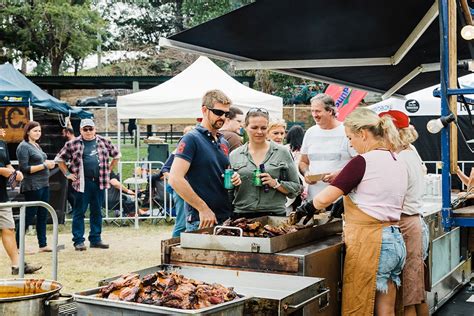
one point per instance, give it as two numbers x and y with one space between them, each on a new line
192 226
392 258
426 238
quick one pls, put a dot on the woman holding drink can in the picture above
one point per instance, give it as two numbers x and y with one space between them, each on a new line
266 169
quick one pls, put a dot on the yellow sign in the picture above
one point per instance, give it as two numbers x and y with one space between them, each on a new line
13 119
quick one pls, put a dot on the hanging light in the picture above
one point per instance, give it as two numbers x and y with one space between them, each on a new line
436 125
467 32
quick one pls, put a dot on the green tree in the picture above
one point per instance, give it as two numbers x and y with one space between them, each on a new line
50 30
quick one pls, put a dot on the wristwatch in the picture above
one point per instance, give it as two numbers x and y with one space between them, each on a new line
277 185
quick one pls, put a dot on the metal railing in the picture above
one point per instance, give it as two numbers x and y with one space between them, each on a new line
437 167
54 217
162 211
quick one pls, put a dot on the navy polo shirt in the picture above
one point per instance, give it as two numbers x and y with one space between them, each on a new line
208 159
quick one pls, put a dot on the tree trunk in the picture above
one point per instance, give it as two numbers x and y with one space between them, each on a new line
179 15
24 64
55 66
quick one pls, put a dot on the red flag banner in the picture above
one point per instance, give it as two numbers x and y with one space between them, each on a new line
346 99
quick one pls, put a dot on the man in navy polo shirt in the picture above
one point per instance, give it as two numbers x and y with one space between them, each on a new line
201 157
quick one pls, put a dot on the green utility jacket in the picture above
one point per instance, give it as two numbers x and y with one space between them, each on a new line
250 198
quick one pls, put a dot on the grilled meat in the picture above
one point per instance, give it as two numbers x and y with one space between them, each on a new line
169 289
124 281
254 228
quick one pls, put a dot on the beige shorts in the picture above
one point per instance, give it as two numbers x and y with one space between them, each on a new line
6 218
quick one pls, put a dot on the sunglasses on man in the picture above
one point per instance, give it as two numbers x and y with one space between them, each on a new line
87 129
219 112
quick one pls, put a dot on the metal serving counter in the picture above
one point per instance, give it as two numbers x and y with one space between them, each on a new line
263 293
320 258
449 260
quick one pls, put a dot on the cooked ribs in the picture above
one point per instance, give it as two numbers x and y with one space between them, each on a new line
169 289
254 228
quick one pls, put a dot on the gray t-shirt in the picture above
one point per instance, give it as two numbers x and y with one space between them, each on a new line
90 158
30 155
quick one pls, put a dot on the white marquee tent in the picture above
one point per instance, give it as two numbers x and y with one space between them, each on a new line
178 100
422 102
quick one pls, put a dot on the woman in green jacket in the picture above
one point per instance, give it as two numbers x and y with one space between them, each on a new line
266 169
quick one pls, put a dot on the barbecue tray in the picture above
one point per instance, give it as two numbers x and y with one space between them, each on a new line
205 239
89 304
283 294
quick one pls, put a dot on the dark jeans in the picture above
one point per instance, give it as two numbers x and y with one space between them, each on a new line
92 197
40 212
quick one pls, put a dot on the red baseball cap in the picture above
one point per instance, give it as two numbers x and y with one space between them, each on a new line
400 119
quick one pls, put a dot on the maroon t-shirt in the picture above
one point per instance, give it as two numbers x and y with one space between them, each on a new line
351 175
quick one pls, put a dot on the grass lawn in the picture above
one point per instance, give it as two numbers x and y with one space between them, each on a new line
129 153
130 250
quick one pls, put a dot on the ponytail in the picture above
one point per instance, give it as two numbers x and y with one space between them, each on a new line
390 133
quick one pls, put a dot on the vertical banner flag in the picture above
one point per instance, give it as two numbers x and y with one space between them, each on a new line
346 99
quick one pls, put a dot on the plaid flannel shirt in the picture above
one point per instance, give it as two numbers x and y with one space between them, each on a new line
73 150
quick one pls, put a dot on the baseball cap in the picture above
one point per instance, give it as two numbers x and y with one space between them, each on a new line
87 122
400 119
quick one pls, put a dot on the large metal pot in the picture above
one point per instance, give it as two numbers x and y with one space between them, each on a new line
26 296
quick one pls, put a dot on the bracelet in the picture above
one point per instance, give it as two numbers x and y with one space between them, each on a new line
67 174
45 165
277 185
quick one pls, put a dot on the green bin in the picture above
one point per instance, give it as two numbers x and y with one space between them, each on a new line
158 152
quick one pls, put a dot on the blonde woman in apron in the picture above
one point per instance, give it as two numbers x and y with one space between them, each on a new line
374 185
411 222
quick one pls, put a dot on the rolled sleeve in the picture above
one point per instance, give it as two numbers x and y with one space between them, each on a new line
113 150
64 154
292 185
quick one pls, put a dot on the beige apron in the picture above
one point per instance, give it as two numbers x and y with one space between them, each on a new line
363 241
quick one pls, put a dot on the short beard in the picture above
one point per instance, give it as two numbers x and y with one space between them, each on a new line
217 124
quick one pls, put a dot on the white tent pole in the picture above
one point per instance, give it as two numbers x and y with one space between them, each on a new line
107 120
118 132
30 109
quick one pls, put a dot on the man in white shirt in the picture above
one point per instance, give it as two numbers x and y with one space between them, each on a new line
325 148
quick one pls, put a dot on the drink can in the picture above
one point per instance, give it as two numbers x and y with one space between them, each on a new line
256 180
228 173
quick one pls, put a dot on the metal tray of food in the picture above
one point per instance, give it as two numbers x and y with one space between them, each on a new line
89 303
280 294
205 239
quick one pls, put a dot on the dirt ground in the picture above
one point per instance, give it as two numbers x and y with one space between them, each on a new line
130 249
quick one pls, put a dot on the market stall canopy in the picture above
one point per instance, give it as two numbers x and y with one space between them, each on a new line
178 100
12 95
423 103
382 46
10 78
422 107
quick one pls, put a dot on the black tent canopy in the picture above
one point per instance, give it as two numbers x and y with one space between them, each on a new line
390 47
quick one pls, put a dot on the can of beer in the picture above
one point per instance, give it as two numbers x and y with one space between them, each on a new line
228 173
256 180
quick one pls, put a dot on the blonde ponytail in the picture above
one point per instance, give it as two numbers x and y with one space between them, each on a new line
408 135
383 128
390 133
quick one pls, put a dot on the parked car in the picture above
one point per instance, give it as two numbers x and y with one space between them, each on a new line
104 98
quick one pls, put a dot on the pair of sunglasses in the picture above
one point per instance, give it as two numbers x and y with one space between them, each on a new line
255 110
219 112
87 129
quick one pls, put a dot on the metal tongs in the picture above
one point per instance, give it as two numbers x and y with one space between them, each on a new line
462 197
307 210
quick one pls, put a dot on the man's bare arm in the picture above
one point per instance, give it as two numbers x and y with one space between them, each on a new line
304 168
177 180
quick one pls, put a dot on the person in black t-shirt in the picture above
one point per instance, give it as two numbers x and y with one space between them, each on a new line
7 225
